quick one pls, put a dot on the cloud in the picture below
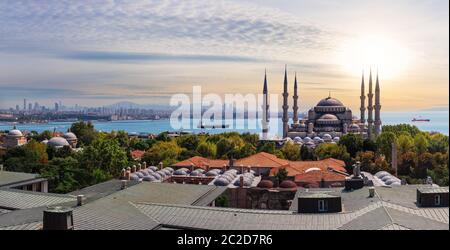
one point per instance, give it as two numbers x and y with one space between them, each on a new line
137 57
166 27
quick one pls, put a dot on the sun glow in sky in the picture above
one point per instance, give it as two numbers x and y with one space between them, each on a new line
376 52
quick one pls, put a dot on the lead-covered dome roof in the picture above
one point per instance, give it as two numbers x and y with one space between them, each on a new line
57 142
330 102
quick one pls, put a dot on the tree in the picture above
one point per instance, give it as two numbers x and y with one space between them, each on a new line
186 154
207 149
247 150
281 175
224 147
384 144
268 147
438 143
405 144
421 143
291 151
165 152
407 162
84 131
353 143
328 150
45 135
425 161
103 159
63 175
369 145
306 154
190 142
400 128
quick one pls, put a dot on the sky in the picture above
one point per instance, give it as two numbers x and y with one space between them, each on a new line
99 52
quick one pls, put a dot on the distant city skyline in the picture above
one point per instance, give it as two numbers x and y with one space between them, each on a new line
77 53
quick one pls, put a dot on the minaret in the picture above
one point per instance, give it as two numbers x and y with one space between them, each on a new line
370 108
265 114
377 108
363 101
295 108
285 105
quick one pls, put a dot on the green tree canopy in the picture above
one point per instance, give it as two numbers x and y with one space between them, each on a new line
207 149
353 143
162 151
384 144
84 131
291 151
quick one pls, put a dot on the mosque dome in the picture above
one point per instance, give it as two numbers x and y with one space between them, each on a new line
265 184
288 184
15 133
70 136
329 117
354 126
307 139
330 102
327 137
58 142
44 141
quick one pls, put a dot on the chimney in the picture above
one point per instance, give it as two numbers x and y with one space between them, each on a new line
144 164
139 167
371 192
1 167
58 218
123 173
231 163
133 169
241 181
242 169
123 184
80 200
127 176
161 166
192 167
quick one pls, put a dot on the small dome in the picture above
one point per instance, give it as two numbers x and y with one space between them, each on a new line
330 102
144 172
58 142
329 117
179 172
354 126
327 137
169 169
163 175
70 136
288 184
221 182
139 174
134 177
166 171
307 139
153 168
298 139
265 184
212 173
336 139
247 182
149 178
156 175
195 173
44 141
15 133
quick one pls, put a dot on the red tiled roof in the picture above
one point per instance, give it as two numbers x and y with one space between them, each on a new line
262 159
201 162
318 176
137 154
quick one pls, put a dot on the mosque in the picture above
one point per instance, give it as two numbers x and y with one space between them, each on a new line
329 119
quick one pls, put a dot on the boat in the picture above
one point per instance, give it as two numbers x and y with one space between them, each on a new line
420 120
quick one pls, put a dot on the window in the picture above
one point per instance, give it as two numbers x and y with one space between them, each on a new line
323 206
437 200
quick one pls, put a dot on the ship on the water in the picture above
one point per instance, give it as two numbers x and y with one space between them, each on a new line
420 120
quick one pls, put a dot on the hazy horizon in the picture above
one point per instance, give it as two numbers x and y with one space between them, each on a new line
108 51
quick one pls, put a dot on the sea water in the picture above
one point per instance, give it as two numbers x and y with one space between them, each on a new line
439 123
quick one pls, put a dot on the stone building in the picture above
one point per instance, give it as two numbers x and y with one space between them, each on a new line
14 138
330 118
